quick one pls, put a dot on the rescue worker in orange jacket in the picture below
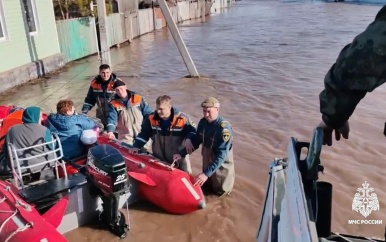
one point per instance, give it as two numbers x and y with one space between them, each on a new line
126 112
216 136
100 92
167 128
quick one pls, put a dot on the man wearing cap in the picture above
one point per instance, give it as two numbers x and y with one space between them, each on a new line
167 127
126 112
216 135
100 92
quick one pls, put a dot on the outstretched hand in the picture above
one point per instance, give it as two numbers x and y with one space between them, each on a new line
343 131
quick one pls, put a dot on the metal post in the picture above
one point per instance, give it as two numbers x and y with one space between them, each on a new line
178 39
154 17
203 7
105 48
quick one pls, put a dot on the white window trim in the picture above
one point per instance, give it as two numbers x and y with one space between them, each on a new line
3 23
35 17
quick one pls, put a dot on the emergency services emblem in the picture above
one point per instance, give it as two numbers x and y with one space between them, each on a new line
223 124
226 135
365 200
192 123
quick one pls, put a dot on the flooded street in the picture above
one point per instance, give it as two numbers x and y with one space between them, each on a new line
265 61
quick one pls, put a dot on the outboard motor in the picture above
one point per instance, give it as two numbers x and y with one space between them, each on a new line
107 172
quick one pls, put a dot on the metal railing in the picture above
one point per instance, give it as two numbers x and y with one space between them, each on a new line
56 152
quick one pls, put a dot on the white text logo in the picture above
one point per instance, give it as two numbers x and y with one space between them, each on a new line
365 202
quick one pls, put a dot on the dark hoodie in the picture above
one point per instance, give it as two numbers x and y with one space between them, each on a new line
28 134
31 115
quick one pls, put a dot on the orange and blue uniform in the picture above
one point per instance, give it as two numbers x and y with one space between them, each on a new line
100 92
125 117
167 136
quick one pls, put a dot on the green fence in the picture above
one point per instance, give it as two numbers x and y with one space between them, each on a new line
77 37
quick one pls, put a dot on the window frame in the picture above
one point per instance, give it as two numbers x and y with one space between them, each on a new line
3 23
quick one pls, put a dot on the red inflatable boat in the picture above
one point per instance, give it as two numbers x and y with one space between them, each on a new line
159 183
169 188
20 221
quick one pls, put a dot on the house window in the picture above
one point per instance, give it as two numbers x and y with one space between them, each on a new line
31 15
3 30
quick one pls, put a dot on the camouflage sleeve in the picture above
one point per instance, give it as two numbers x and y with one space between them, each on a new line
360 68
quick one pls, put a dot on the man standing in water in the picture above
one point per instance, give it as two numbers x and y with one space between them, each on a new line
360 68
100 92
167 127
216 136
126 112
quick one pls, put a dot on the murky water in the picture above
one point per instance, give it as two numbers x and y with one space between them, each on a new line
265 61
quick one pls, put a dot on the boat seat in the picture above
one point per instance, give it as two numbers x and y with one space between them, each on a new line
74 159
16 160
38 192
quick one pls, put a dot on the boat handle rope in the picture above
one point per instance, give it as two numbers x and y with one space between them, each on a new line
7 219
17 201
28 225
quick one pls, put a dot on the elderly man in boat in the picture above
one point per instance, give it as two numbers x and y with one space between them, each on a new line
29 133
126 112
216 135
167 127
69 125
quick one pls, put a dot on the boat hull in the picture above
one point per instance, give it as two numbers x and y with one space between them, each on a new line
21 221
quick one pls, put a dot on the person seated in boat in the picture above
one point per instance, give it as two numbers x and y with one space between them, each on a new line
216 135
69 125
359 68
29 133
100 92
127 110
168 128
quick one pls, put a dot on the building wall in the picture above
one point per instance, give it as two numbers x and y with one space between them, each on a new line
21 47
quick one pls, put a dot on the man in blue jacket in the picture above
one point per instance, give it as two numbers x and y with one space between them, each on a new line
216 136
69 127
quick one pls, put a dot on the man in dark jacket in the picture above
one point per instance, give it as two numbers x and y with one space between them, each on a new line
168 128
100 92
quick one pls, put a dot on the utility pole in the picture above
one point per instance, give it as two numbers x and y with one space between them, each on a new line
203 8
103 31
178 39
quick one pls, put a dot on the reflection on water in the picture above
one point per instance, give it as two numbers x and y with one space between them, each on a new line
265 61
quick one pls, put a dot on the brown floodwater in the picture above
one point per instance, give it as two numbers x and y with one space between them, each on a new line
265 61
